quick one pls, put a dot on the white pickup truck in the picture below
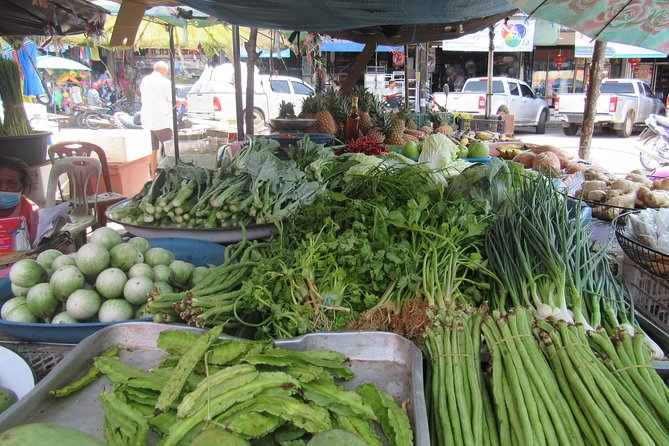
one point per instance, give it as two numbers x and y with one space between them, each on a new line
622 104
212 97
509 96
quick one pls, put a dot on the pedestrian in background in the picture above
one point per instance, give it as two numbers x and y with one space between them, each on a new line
156 96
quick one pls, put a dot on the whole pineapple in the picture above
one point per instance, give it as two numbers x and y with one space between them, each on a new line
440 124
425 128
395 131
366 104
309 109
286 110
325 123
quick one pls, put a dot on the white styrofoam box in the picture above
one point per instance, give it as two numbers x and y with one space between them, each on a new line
120 145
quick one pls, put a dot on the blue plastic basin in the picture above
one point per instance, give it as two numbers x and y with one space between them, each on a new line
197 252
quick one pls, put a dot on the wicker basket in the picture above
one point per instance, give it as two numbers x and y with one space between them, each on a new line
650 295
654 262
42 358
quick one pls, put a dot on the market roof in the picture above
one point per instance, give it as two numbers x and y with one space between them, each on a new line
50 17
390 22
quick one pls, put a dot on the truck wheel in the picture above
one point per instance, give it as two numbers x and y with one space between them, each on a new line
570 130
628 126
503 110
541 125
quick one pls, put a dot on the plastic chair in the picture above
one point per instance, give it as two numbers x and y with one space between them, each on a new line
79 170
75 148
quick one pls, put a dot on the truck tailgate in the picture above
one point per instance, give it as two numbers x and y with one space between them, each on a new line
201 103
463 102
572 103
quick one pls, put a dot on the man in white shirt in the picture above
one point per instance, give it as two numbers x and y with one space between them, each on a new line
392 95
156 92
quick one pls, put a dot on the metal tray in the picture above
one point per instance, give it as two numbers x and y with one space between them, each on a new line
218 235
390 361
198 252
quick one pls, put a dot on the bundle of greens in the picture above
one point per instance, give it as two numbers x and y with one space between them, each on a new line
254 187
15 120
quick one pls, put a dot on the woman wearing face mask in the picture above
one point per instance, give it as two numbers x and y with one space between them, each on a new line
14 181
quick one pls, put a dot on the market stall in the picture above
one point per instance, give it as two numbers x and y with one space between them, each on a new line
422 285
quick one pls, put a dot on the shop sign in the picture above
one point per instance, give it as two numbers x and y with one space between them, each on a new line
583 47
516 35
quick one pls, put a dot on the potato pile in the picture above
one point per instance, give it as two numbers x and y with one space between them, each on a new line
635 191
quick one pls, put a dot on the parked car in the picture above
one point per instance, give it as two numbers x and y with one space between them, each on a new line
213 95
509 96
622 104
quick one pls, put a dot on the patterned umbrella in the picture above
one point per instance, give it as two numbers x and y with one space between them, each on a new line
643 23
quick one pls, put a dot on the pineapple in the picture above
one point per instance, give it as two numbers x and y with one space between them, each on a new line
417 133
399 124
410 137
308 107
366 103
426 129
440 125
325 123
376 134
393 129
286 110
411 125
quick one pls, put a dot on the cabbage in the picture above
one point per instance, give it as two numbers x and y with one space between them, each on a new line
158 256
41 301
26 273
365 164
137 290
163 287
140 243
141 270
92 259
438 151
46 258
65 259
106 237
10 305
83 304
161 273
19 290
65 281
110 283
180 272
124 256
63 318
113 310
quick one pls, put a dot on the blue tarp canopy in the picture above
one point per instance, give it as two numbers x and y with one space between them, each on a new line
346 46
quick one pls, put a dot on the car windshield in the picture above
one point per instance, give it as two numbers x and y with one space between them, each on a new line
617 88
481 86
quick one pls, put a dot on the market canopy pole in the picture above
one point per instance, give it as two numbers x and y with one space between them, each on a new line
491 59
236 54
595 77
175 123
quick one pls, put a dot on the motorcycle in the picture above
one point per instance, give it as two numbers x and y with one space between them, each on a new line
653 143
98 117
124 120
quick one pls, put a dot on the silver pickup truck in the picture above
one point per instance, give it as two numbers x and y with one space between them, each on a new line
622 104
509 96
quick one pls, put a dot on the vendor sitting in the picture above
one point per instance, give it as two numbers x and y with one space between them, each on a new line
14 182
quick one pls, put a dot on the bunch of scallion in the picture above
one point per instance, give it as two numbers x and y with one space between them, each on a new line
15 120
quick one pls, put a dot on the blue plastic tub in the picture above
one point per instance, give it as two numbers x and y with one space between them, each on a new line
478 160
198 252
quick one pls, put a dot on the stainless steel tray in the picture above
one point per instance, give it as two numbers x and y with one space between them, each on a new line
390 361
217 235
